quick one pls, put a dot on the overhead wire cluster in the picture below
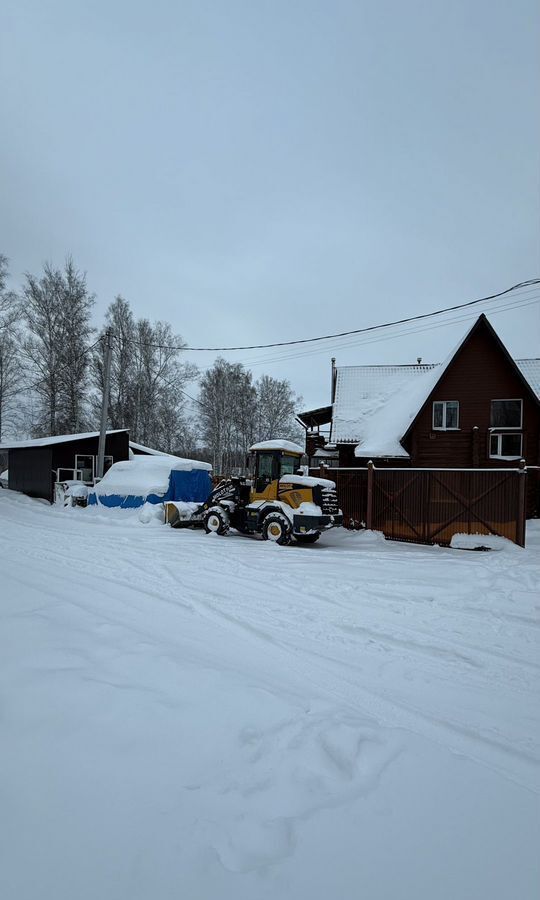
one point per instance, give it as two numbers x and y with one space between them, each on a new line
359 340
523 294
531 283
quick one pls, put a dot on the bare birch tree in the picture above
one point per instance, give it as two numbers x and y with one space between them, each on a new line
276 406
227 413
57 309
148 375
11 365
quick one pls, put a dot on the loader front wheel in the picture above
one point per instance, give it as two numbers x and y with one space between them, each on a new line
216 521
276 527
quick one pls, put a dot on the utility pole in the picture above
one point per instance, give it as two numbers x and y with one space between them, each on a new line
104 404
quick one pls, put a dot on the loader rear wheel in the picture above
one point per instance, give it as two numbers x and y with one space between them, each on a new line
277 528
308 538
216 521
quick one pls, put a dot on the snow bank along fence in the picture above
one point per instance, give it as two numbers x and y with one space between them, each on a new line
429 506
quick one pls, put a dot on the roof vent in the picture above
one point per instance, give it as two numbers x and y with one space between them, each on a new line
419 360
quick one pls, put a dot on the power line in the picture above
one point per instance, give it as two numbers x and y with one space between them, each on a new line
339 334
358 342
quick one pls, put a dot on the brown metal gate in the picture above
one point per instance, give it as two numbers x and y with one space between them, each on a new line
429 506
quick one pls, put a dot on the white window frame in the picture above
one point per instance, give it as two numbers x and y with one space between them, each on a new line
74 476
500 435
443 427
88 456
507 427
105 458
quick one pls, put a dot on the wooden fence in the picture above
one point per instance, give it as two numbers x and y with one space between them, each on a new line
429 506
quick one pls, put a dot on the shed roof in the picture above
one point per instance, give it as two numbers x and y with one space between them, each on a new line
149 451
56 439
313 418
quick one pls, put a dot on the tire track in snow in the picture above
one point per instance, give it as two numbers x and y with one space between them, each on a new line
146 553
399 713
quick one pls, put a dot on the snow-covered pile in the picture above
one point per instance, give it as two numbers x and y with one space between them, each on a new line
151 512
144 475
483 542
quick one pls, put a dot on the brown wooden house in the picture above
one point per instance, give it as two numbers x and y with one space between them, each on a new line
480 408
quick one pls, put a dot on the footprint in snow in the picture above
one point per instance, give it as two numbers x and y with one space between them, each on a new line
287 774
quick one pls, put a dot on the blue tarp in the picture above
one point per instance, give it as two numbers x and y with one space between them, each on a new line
192 486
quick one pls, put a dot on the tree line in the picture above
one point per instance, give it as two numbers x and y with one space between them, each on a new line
52 373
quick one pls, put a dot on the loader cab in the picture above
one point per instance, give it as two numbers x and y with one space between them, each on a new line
266 470
269 463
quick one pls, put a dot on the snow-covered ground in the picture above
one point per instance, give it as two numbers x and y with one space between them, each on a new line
202 718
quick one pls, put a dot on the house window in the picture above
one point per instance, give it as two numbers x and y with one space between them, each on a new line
506 413
505 446
445 415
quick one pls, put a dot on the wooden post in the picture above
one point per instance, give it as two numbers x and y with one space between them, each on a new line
522 502
475 446
369 511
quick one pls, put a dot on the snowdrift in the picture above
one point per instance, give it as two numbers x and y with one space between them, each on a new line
152 479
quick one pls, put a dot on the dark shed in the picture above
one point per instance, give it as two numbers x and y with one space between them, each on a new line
35 465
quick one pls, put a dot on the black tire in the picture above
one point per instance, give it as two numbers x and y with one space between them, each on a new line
308 538
216 520
277 528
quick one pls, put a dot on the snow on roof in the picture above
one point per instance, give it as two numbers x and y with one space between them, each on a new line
278 445
325 452
361 391
382 432
56 439
144 475
530 369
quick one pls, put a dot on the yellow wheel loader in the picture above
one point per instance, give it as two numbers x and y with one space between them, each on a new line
278 500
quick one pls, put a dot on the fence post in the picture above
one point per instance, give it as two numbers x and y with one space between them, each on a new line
476 446
369 511
522 500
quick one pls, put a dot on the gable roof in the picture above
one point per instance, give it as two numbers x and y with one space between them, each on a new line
375 406
56 439
530 369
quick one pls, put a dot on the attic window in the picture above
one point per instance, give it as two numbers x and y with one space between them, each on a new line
506 413
446 415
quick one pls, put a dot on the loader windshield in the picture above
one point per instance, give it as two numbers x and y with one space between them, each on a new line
289 465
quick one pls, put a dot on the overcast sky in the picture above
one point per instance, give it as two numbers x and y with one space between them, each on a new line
260 171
